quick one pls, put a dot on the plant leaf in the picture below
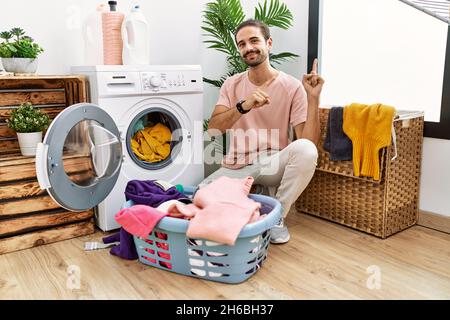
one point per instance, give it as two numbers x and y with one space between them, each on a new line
277 14
282 57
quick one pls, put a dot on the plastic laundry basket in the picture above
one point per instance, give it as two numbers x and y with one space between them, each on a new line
168 247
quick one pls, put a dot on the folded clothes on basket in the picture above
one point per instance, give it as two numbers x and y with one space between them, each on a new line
369 128
336 141
222 209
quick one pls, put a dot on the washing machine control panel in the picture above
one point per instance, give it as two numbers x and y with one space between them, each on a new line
169 81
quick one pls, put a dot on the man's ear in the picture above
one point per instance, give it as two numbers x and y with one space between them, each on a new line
269 43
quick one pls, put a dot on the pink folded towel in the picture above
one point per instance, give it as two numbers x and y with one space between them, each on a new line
139 220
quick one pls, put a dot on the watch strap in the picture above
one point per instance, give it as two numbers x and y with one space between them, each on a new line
240 108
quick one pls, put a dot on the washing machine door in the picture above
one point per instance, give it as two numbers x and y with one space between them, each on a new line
80 159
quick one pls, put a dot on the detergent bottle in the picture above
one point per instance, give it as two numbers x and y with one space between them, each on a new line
135 35
93 36
112 36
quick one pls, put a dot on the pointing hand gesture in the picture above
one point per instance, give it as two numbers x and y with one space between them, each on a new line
260 97
312 82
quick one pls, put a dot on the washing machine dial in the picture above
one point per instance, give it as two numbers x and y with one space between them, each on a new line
155 81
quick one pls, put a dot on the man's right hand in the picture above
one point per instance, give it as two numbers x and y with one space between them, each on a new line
259 98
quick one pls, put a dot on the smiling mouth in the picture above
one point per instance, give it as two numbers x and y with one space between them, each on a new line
250 54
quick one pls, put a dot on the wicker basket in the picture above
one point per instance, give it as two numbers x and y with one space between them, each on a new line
380 208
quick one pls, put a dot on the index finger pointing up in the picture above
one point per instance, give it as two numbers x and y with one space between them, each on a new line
314 67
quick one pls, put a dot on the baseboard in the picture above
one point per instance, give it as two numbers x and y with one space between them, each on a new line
434 221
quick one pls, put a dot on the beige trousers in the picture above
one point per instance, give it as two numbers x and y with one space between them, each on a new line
286 173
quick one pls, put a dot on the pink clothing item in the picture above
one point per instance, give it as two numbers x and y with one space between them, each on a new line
262 128
223 210
139 220
177 209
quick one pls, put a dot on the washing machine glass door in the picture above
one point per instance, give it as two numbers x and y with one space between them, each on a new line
79 161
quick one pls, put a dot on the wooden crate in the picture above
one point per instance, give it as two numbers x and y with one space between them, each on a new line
28 215
51 94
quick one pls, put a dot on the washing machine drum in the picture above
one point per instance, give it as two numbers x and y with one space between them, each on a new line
154 138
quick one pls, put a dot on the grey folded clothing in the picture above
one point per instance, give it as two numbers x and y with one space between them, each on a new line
336 141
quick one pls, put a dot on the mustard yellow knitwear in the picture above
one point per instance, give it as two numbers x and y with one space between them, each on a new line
152 144
369 128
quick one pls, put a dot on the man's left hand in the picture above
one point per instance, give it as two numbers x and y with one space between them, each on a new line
312 82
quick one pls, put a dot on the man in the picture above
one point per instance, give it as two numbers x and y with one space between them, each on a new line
257 107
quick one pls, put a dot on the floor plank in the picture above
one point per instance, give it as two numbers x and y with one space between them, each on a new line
323 260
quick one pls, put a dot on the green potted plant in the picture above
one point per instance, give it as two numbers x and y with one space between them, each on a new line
19 52
28 122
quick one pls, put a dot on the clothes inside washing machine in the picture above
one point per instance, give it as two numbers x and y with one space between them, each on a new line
151 140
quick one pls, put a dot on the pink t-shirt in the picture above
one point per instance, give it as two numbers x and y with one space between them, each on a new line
265 128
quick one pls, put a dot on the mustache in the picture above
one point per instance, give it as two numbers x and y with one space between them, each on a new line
250 52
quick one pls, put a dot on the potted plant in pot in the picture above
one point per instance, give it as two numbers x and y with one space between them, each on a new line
28 122
19 52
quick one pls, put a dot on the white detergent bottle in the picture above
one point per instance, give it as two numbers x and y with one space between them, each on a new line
136 38
93 36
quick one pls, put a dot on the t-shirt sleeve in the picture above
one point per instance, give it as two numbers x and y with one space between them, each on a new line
299 107
224 96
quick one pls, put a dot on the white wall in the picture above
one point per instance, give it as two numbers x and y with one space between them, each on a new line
435 177
176 38
397 55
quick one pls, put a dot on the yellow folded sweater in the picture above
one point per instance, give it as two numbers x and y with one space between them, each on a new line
369 128
152 144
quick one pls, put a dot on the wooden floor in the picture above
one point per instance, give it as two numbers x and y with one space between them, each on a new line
323 260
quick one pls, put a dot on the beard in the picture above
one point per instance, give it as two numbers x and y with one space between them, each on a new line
257 58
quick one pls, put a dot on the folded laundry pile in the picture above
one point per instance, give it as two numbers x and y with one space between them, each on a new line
370 129
218 212
336 141
221 209
358 132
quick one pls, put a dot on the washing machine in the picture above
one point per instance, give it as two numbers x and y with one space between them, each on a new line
89 153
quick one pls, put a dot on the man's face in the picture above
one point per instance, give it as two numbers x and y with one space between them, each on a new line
254 49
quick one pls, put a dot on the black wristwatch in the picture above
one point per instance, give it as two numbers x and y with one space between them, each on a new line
240 108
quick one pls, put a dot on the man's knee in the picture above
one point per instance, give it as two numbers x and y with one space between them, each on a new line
305 150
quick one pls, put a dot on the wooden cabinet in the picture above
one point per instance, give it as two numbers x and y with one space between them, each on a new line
28 215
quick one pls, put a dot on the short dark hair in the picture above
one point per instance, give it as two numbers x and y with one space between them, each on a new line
254 23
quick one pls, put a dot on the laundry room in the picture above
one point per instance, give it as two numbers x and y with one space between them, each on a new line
225 150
